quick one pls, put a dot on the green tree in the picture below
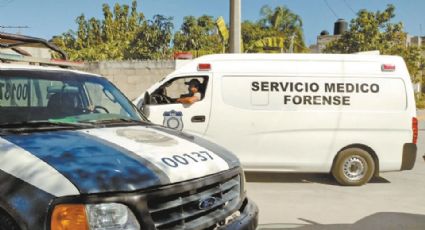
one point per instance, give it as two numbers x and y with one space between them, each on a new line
375 31
153 39
252 32
279 22
198 35
122 34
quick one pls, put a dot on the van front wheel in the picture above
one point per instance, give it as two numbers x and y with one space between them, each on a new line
353 167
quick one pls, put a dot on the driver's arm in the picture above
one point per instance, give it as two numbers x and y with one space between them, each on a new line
188 100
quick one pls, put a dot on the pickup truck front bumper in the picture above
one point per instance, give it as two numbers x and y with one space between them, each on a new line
248 219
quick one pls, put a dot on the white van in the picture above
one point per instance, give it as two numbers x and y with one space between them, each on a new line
353 115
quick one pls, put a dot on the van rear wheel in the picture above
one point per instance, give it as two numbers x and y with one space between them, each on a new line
353 167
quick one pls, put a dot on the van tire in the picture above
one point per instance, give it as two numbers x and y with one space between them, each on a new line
353 167
6 223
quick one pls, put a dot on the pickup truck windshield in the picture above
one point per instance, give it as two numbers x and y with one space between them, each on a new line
60 97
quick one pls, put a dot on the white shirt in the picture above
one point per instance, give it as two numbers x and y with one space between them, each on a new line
197 95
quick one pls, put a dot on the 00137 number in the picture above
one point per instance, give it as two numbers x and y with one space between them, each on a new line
186 159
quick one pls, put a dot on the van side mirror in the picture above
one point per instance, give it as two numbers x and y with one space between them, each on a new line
146 99
143 102
140 104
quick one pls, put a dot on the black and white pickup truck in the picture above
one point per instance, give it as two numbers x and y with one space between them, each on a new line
76 154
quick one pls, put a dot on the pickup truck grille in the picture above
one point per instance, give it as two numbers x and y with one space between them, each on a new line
196 208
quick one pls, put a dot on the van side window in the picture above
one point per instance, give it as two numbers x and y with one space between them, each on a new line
169 92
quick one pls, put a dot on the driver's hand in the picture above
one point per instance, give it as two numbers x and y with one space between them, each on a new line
90 108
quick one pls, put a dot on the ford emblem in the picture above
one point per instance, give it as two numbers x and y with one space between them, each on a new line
207 203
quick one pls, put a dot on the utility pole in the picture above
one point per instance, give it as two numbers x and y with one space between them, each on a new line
235 26
291 46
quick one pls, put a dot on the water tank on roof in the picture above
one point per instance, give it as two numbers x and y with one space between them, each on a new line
324 32
340 26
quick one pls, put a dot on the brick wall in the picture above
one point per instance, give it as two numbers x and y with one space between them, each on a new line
132 77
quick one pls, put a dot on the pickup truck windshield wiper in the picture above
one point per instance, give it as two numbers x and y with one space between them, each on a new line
43 124
116 121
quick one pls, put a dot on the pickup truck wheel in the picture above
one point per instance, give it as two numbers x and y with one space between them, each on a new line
353 167
6 223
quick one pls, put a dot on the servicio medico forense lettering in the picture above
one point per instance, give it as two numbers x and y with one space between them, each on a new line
187 158
313 87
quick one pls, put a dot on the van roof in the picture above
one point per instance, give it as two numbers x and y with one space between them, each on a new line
223 58
296 56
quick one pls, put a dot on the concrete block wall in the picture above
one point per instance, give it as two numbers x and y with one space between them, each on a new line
132 77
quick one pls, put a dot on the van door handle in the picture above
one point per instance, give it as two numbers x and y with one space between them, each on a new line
198 119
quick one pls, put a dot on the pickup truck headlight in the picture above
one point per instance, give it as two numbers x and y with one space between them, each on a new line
111 216
107 216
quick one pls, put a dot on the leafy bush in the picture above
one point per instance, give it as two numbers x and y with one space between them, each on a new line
420 100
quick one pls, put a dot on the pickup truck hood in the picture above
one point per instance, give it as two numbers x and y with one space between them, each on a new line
118 159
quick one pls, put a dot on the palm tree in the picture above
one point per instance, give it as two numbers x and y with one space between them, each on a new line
286 24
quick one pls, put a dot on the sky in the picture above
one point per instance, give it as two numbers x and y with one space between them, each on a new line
46 18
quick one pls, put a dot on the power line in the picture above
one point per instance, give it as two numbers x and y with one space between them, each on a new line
330 8
349 7
14 27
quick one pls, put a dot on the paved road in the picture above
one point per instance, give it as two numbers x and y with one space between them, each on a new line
313 201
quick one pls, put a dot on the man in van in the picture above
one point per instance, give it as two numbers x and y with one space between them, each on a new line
363 107
194 94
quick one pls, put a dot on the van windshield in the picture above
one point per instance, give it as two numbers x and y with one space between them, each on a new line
56 97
